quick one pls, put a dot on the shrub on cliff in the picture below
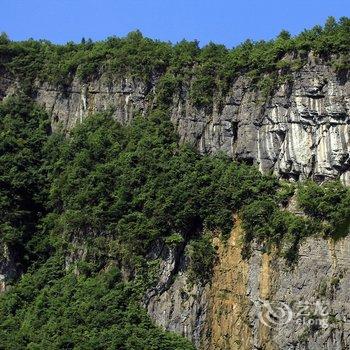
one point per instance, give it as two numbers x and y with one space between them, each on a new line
329 203
76 208
24 133
54 309
203 72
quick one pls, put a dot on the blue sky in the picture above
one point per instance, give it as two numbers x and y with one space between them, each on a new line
221 21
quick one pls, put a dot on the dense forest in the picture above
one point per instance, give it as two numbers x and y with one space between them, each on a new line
211 67
119 191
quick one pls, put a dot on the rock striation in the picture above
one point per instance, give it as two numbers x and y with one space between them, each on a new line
300 131
262 303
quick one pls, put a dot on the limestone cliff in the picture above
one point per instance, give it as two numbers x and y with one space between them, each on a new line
262 303
300 130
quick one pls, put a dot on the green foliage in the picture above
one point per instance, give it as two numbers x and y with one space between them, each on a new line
48 307
342 63
58 63
284 35
199 71
174 240
137 186
206 74
24 130
166 88
4 39
52 310
266 85
285 192
329 203
327 207
202 257
265 221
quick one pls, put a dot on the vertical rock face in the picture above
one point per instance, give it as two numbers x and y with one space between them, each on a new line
228 305
313 295
176 303
302 130
316 293
8 267
262 303
125 98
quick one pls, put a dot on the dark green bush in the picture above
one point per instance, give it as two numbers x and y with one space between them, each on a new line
202 71
329 202
50 310
116 193
202 258
24 132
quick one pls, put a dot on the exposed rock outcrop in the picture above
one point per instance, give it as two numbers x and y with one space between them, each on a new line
8 267
302 130
263 303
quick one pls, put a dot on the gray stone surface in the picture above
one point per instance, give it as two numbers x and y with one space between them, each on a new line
301 131
8 266
316 289
317 285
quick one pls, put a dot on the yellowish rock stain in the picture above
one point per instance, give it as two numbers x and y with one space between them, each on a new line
227 324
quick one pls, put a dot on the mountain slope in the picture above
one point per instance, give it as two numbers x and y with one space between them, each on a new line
143 177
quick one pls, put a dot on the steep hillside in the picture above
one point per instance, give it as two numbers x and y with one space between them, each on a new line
283 105
149 191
